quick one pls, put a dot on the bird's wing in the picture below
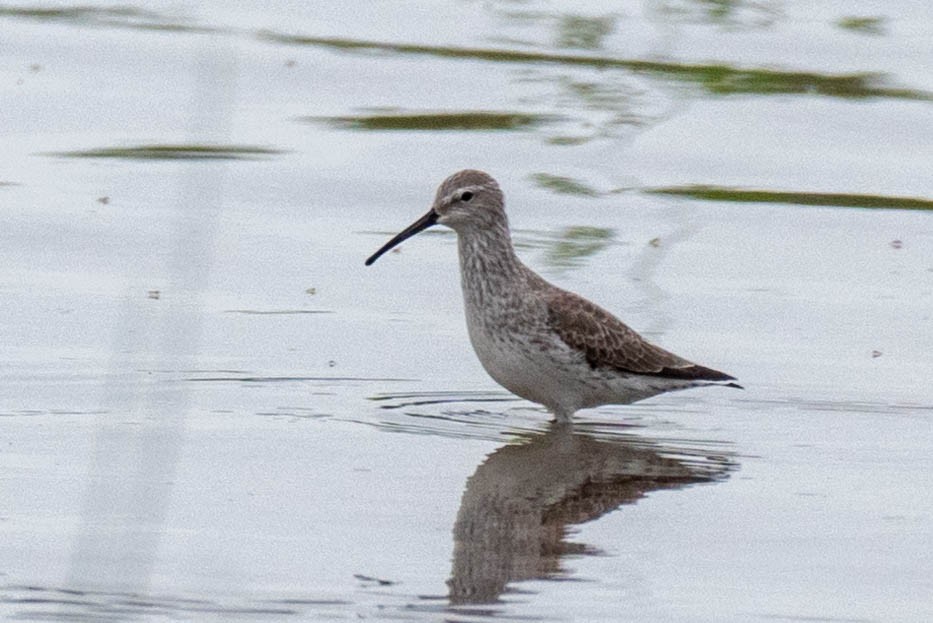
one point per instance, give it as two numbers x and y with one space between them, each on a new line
605 341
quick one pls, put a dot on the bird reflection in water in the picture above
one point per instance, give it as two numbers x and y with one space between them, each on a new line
518 506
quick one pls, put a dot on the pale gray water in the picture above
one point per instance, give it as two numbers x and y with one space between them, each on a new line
210 410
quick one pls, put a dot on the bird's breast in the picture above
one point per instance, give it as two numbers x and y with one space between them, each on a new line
518 352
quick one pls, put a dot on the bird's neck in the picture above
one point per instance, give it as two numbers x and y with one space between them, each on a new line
489 269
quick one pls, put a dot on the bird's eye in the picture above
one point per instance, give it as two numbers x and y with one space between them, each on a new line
466 196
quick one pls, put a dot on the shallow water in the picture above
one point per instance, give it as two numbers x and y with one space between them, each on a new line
211 410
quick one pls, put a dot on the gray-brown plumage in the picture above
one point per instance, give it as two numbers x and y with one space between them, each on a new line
538 341
606 341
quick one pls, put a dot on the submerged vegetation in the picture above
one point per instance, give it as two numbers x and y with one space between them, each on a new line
174 152
842 200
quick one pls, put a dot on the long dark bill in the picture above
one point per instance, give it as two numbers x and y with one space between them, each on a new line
420 225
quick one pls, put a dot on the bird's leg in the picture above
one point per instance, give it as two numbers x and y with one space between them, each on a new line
561 416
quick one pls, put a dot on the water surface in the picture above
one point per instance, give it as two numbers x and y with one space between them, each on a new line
211 410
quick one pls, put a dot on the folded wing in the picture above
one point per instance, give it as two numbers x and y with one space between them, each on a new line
605 341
